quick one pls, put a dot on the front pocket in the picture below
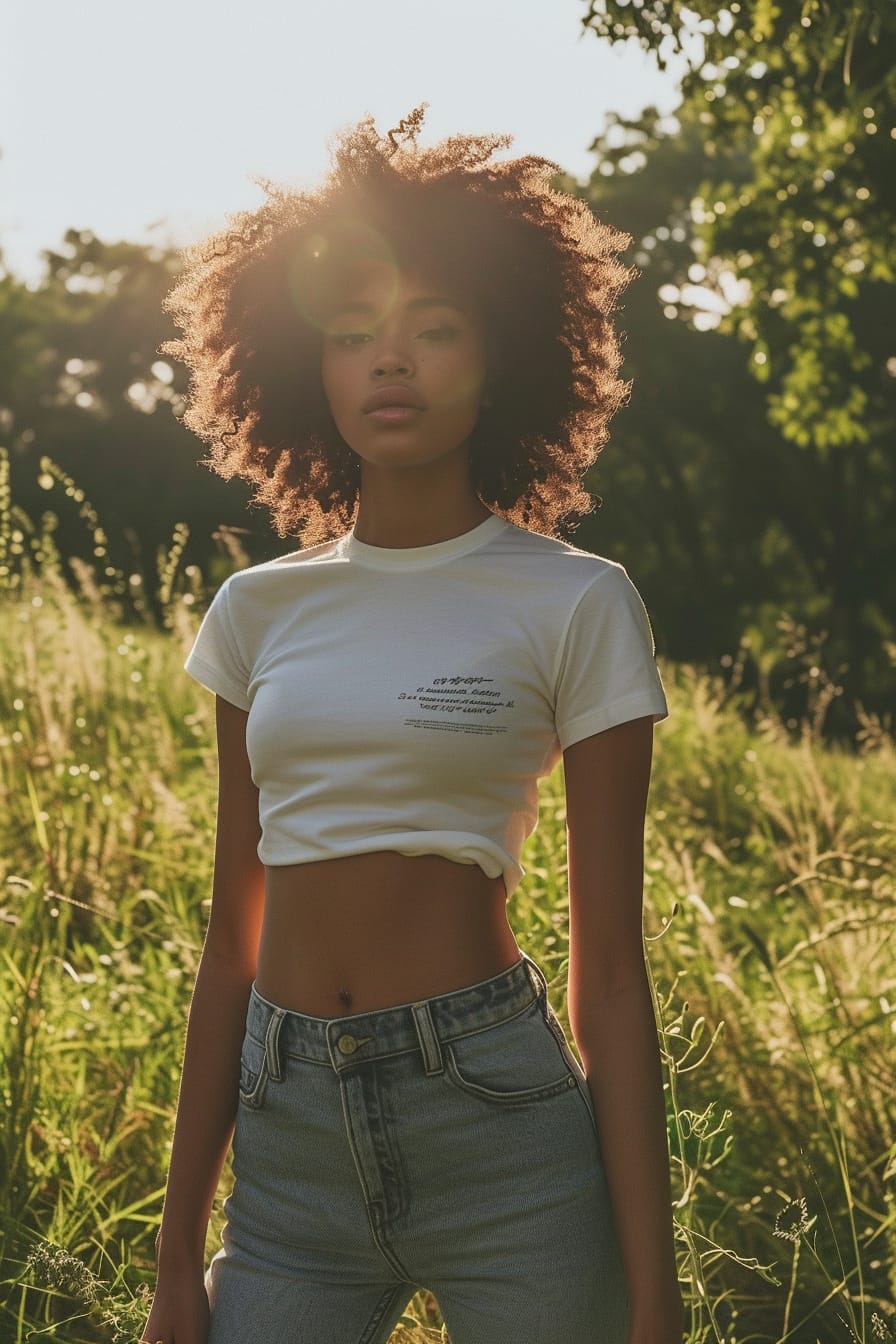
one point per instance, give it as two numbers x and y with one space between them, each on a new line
253 1073
512 1063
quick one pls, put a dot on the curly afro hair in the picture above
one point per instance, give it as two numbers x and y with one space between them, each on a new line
542 272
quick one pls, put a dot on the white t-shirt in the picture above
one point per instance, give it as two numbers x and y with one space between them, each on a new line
411 699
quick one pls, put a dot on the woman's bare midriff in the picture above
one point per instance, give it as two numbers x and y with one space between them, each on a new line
369 931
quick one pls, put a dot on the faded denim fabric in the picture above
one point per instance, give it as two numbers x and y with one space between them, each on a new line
448 1144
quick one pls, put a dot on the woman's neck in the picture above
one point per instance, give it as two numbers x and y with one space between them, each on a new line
405 517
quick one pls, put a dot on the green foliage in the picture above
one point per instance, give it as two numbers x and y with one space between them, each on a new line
81 380
796 99
769 925
769 900
743 488
736 489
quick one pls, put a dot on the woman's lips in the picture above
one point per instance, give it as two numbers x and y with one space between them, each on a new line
393 415
394 396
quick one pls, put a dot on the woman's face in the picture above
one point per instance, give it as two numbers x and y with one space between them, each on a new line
403 368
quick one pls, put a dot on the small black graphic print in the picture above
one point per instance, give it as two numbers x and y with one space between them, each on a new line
455 701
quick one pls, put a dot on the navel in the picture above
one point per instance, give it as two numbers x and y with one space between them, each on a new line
345 999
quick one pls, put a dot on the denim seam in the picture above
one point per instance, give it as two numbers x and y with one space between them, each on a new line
380 1311
556 1029
370 1203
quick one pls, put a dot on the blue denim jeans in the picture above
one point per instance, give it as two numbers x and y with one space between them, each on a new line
448 1144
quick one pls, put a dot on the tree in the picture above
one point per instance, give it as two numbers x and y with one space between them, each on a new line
792 234
81 382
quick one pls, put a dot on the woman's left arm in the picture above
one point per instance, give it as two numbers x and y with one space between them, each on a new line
611 1013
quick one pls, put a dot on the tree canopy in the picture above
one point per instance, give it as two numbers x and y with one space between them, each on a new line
783 243
797 98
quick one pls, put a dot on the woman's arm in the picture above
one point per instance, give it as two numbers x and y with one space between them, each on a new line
611 1013
208 1098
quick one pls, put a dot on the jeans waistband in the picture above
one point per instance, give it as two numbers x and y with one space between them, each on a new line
346 1041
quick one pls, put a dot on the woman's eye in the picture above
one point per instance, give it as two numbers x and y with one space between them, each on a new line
349 338
445 333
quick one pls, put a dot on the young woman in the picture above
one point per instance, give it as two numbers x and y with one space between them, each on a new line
415 365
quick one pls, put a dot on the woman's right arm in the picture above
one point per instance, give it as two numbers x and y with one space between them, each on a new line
208 1099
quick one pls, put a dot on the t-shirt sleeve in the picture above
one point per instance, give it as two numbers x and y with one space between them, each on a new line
607 673
215 659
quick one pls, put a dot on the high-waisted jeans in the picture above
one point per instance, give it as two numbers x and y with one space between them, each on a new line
448 1144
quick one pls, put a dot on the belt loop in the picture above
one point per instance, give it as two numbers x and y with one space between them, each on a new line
539 982
429 1041
271 1045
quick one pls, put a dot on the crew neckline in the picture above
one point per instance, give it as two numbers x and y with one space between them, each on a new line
420 557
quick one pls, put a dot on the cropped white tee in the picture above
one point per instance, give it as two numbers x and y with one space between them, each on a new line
411 699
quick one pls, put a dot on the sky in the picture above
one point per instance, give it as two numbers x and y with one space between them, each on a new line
145 123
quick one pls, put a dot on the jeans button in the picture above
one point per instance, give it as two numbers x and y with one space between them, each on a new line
347 1044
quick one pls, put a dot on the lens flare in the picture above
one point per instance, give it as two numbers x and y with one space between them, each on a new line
330 265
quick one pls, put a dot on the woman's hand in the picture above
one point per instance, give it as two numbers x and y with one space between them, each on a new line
179 1312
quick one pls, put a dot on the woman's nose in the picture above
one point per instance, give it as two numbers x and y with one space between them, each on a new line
392 359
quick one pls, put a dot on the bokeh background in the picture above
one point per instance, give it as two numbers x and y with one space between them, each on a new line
750 156
748 487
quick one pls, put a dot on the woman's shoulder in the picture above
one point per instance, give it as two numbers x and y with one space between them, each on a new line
254 579
557 559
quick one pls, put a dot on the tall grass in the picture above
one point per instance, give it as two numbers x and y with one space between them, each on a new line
770 928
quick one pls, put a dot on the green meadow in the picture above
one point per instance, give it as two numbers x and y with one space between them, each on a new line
770 926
